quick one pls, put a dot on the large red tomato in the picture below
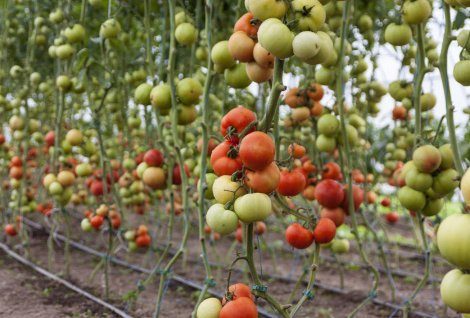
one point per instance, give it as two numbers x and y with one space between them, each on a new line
225 160
153 158
291 182
298 236
242 307
257 150
325 231
329 193
264 181
238 118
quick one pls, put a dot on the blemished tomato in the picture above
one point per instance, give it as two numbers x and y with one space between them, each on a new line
298 236
392 217
427 158
325 231
247 24
453 240
209 308
253 207
295 98
337 215
264 181
291 183
238 118
331 170
257 150
329 193
241 46
455 290
315 92
225 159
295 150
241 307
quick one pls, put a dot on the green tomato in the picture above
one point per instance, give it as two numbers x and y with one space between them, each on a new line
186 34
328 125
462 72
142 94
416 11
433 207
237 77
86 225
411 199
276 38
209 308
417 180
221 220
325 143
221 56
253 207
398 34
310 19
340 246
453 240
265 9
455 290
189 91
326 49
110 29
445 182
225 190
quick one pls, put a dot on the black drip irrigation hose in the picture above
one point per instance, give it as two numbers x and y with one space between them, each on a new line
194 285
63 282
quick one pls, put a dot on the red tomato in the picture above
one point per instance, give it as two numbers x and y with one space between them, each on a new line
210 145
298 236
247 24
10 230
264 181
177 174
239 290
325 231
96 221
331 170
329 193
309 167
143 240
153 158
16 172
257 150
336 215
309 192
239 235
139 158
16 162
386 202
296 150
2 139
242 307
358 198
260 228
225 160
96 188
238 118
392 217
291 183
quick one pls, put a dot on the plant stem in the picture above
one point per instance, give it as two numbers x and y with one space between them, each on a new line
445 83
203 170
418 82
276 89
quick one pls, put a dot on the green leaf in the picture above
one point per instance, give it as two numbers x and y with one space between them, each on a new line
81 58
459 20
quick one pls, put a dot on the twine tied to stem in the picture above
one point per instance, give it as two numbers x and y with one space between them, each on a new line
309 294
260 288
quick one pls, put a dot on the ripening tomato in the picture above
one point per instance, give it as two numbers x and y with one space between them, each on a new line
239 235
257 150
295 150
295 98
225 159
386 202
453 240
96 188
309 192
241 307
331 170
49 138
16 162
329 193
260 228
143 240
325 231
238 118
291 183
315 92
238 290
264 181
298 236
336 215
248 24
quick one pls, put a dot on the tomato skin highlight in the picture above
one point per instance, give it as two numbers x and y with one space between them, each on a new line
257 151
298 236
